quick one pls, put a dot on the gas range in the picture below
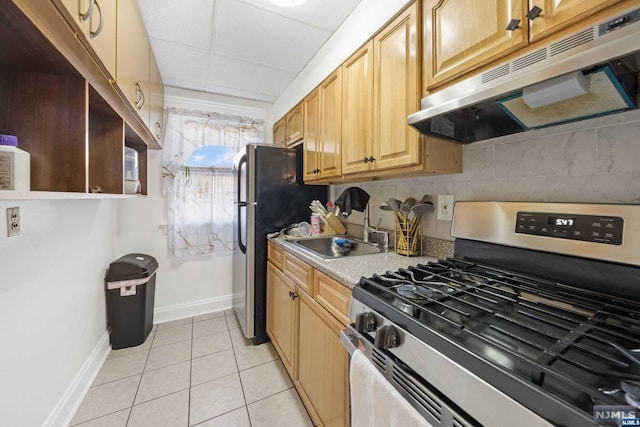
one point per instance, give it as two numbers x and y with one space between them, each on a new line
534 321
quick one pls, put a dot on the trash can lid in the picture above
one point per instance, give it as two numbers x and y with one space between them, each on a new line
131 266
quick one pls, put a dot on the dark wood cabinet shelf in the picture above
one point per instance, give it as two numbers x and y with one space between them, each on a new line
72 131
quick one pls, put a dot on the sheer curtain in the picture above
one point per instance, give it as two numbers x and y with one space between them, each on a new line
200 199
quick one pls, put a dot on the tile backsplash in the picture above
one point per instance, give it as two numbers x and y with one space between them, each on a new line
594 161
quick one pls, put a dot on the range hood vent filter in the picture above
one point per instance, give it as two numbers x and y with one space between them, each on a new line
606 95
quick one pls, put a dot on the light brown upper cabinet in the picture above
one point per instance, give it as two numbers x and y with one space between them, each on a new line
555 15
322 130
133 57
381 84
357 111
288 130
97 20
461 35
156 106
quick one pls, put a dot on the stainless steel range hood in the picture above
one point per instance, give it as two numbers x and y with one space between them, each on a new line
491 104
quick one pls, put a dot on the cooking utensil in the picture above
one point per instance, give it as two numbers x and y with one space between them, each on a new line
405 209
424 199
394 204
422 208
385 206
410 201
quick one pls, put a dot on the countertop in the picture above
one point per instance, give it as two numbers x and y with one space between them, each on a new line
348 270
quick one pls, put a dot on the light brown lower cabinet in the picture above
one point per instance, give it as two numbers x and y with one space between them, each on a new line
305 332
323 379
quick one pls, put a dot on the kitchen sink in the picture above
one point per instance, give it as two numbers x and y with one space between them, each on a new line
331 247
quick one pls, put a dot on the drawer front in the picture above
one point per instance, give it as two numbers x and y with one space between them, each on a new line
274 254
333 296
298 271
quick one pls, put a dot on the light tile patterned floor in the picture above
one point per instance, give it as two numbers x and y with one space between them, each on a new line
200 372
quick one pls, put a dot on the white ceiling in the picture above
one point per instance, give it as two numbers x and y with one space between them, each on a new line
245 48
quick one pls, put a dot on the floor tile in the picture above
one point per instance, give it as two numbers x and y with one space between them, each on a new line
264 381
118 419
208 316
211 344
174 323
208 327
232 321
212 367
237 418
164 381
160 357
145 346
283 410
215 398
238 339
172 335
121 367
167 411
107 398
248 357
229 311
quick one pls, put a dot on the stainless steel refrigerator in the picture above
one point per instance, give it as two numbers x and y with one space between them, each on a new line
269 196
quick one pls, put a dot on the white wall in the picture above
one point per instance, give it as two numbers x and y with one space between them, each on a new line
184 286
52 305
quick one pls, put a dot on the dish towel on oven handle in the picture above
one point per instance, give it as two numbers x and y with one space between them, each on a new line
374 401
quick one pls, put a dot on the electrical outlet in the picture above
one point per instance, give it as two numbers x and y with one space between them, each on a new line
13 222
445 207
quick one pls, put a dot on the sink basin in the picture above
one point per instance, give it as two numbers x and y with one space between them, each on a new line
326 247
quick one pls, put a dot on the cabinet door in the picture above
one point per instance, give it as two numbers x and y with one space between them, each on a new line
322 364
559 14
156 108
357 111
97 21
331 125
281 320
312 149
396 93
294 124
280 132
133 57
461 35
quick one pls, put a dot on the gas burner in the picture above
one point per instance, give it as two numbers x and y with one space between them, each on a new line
414 292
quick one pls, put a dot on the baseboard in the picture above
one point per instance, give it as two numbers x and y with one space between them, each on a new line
65 409
181 311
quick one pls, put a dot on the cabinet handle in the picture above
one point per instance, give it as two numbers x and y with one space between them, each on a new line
372 159
158 133
534 13
96 33
140 100
292 295
86 15
513 25
316 171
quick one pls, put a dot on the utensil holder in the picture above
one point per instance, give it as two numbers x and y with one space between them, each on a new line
408 236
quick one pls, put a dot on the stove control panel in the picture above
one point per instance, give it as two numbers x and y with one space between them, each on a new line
386 337
587 228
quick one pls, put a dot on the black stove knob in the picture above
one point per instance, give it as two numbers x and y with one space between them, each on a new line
386 337
365 322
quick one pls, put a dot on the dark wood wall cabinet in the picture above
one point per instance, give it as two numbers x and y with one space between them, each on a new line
59 95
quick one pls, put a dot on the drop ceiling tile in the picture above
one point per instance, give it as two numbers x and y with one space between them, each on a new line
245 32
322 14
248 76
180 65
184 22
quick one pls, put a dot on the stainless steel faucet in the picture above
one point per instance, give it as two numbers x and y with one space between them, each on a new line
367 230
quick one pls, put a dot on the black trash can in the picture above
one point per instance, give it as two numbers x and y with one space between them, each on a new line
131 285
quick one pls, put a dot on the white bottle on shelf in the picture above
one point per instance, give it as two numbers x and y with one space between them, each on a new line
15 165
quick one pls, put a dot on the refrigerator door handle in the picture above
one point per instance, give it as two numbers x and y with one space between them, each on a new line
239 204
244 204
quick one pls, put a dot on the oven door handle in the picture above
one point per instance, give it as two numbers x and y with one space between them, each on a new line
350 339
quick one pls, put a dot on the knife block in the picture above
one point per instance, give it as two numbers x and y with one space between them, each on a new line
333 225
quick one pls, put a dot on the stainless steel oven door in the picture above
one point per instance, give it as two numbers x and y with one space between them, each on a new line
436 411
